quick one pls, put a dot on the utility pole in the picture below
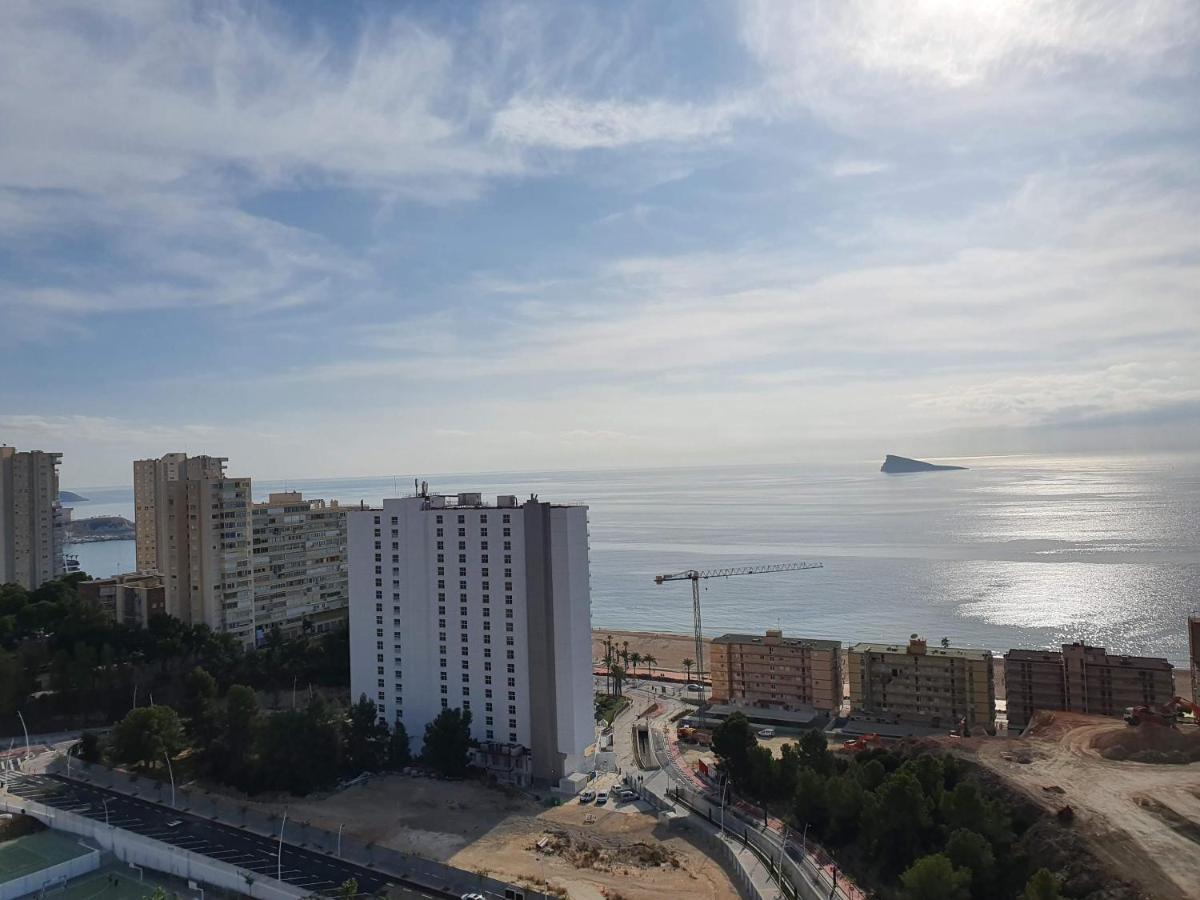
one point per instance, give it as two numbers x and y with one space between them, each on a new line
170 772
28 752
279 858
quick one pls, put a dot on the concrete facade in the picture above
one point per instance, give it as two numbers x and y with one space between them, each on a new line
914 683
1083 679
775 672
193 528
1194 653
131 599
299 559
459 604
31 520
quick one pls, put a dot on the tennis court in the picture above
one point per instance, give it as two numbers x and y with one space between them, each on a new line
106 884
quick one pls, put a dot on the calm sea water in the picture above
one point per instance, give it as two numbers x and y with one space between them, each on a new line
1016 552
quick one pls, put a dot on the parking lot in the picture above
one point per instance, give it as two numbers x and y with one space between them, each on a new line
312 871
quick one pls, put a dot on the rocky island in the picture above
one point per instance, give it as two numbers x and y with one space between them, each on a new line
902 465
70 497
99 528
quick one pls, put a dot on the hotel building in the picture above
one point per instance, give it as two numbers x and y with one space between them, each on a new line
458 604
917 684
773 672
31 520
299 560
1082 679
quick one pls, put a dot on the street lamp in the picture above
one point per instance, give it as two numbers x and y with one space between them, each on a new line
104 800
339 850
279 858
804 841
26 730
170 772
724 788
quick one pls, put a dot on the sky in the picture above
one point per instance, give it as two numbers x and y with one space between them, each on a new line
358 238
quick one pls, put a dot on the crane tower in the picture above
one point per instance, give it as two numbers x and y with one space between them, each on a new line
695 575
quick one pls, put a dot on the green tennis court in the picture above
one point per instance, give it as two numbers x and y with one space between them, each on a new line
106 884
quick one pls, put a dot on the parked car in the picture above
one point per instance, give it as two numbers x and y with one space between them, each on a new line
627 795
767 733
602 798
694 688
473 897
587 796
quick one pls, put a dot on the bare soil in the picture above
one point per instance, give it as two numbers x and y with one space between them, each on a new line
496 830
1142 820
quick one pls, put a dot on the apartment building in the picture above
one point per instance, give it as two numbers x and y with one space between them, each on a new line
299 559
193 527
1082 679
455 603
131 599
31 520
918 684
775 672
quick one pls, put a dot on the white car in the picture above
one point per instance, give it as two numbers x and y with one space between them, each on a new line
602 798
473 897
587 796
767 733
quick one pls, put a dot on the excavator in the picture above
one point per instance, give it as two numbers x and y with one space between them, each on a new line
1166 714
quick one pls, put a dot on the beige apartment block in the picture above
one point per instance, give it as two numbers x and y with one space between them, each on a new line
193 528
299 558
131 599
773 672
1033 680
915 683
1194 653
1083 679
31 520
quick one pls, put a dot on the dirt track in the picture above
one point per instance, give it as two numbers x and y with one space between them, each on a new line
1141 819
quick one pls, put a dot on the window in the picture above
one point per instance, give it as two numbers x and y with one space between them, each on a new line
439 519
444 690
511 669
512 695
506 518
443 676
466 678
512 682
462 519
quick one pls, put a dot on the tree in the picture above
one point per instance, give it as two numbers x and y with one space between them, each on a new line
299 749
89 747
1042 885
617 673
230 754
935 878
398 753
899 821
813 752
688 662
348 888
635 659
200 705
945 642
366 737
651 662
448 742
146 734
732 742
971 851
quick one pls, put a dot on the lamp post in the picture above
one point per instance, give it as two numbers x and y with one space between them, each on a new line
782 850
26 730
104 800
170 772
339 849
804 841
279 858
724 788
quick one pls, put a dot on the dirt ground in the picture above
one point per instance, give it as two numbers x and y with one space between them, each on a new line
626 853
1142 819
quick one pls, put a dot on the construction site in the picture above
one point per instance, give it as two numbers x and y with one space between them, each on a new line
1131 792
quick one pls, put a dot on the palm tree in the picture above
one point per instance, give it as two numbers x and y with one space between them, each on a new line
688 662
625 653
650 662
635 658
618 676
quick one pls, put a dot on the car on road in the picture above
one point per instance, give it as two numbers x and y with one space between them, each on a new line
175 823
767 733
695 688
587 796
627 795
602 798
473 897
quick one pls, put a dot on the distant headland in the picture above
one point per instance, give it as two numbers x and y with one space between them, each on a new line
70 497
902 465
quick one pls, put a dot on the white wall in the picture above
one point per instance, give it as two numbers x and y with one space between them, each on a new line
35 881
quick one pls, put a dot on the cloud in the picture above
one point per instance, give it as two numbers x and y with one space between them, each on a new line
846 168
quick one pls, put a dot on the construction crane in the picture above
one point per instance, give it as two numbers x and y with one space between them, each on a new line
695 575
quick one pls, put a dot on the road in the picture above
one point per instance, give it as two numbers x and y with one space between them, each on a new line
306 869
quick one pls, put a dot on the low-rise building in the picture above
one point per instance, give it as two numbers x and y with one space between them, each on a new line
917 684
298 550
1083 679
131 599
775 672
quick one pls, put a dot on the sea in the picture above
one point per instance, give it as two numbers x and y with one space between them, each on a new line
1016 551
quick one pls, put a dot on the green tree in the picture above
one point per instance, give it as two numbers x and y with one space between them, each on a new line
935 878
971 851
299 749
1042 885
899 820
348 888
810 804
229 757
732 742
813 752
89 747
844 798
399 754
448 742
688 662
366 737
146 734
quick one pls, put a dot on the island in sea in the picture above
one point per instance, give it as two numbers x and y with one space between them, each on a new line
70 497
99 528
902 465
